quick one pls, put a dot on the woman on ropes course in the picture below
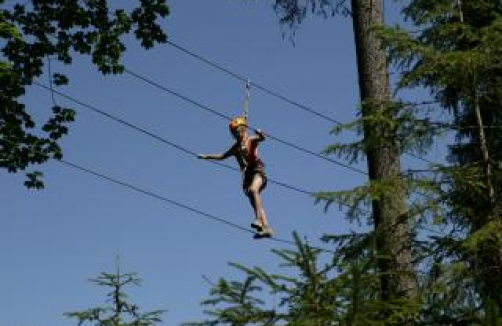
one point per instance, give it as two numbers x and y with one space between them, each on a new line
254 180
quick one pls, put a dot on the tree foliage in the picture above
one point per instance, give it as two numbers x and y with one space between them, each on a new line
317 289
120 312
453 51
292 13
456 55
33 33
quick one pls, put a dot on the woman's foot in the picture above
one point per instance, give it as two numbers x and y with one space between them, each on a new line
265 232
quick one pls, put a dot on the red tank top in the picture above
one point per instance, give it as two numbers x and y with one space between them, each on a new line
248 151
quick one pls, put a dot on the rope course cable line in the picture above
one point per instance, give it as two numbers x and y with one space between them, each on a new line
212 111
253 84
179 204
273 93
228 118
183 149
162 139
170 201
176 146
268 90
175 203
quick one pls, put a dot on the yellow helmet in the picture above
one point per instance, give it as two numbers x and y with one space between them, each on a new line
236 123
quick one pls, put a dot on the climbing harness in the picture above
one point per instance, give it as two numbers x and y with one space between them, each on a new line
247 95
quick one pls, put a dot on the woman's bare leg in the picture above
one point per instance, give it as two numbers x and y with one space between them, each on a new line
255 199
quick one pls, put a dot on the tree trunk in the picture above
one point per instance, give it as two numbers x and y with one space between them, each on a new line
488 169
393 243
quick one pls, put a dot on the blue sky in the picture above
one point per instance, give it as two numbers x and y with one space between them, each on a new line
52 241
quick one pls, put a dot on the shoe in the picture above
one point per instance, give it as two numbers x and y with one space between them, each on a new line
257 225
265 232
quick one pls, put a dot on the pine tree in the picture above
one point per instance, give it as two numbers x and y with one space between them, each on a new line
456 55
389 211
120 312
383 155
317 289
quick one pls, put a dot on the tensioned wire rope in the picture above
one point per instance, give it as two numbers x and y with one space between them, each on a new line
221 115
161 139
229 118
151 193
267 90
170 201
167 142
174 202
174 145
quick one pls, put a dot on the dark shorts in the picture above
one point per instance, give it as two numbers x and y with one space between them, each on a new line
249 175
